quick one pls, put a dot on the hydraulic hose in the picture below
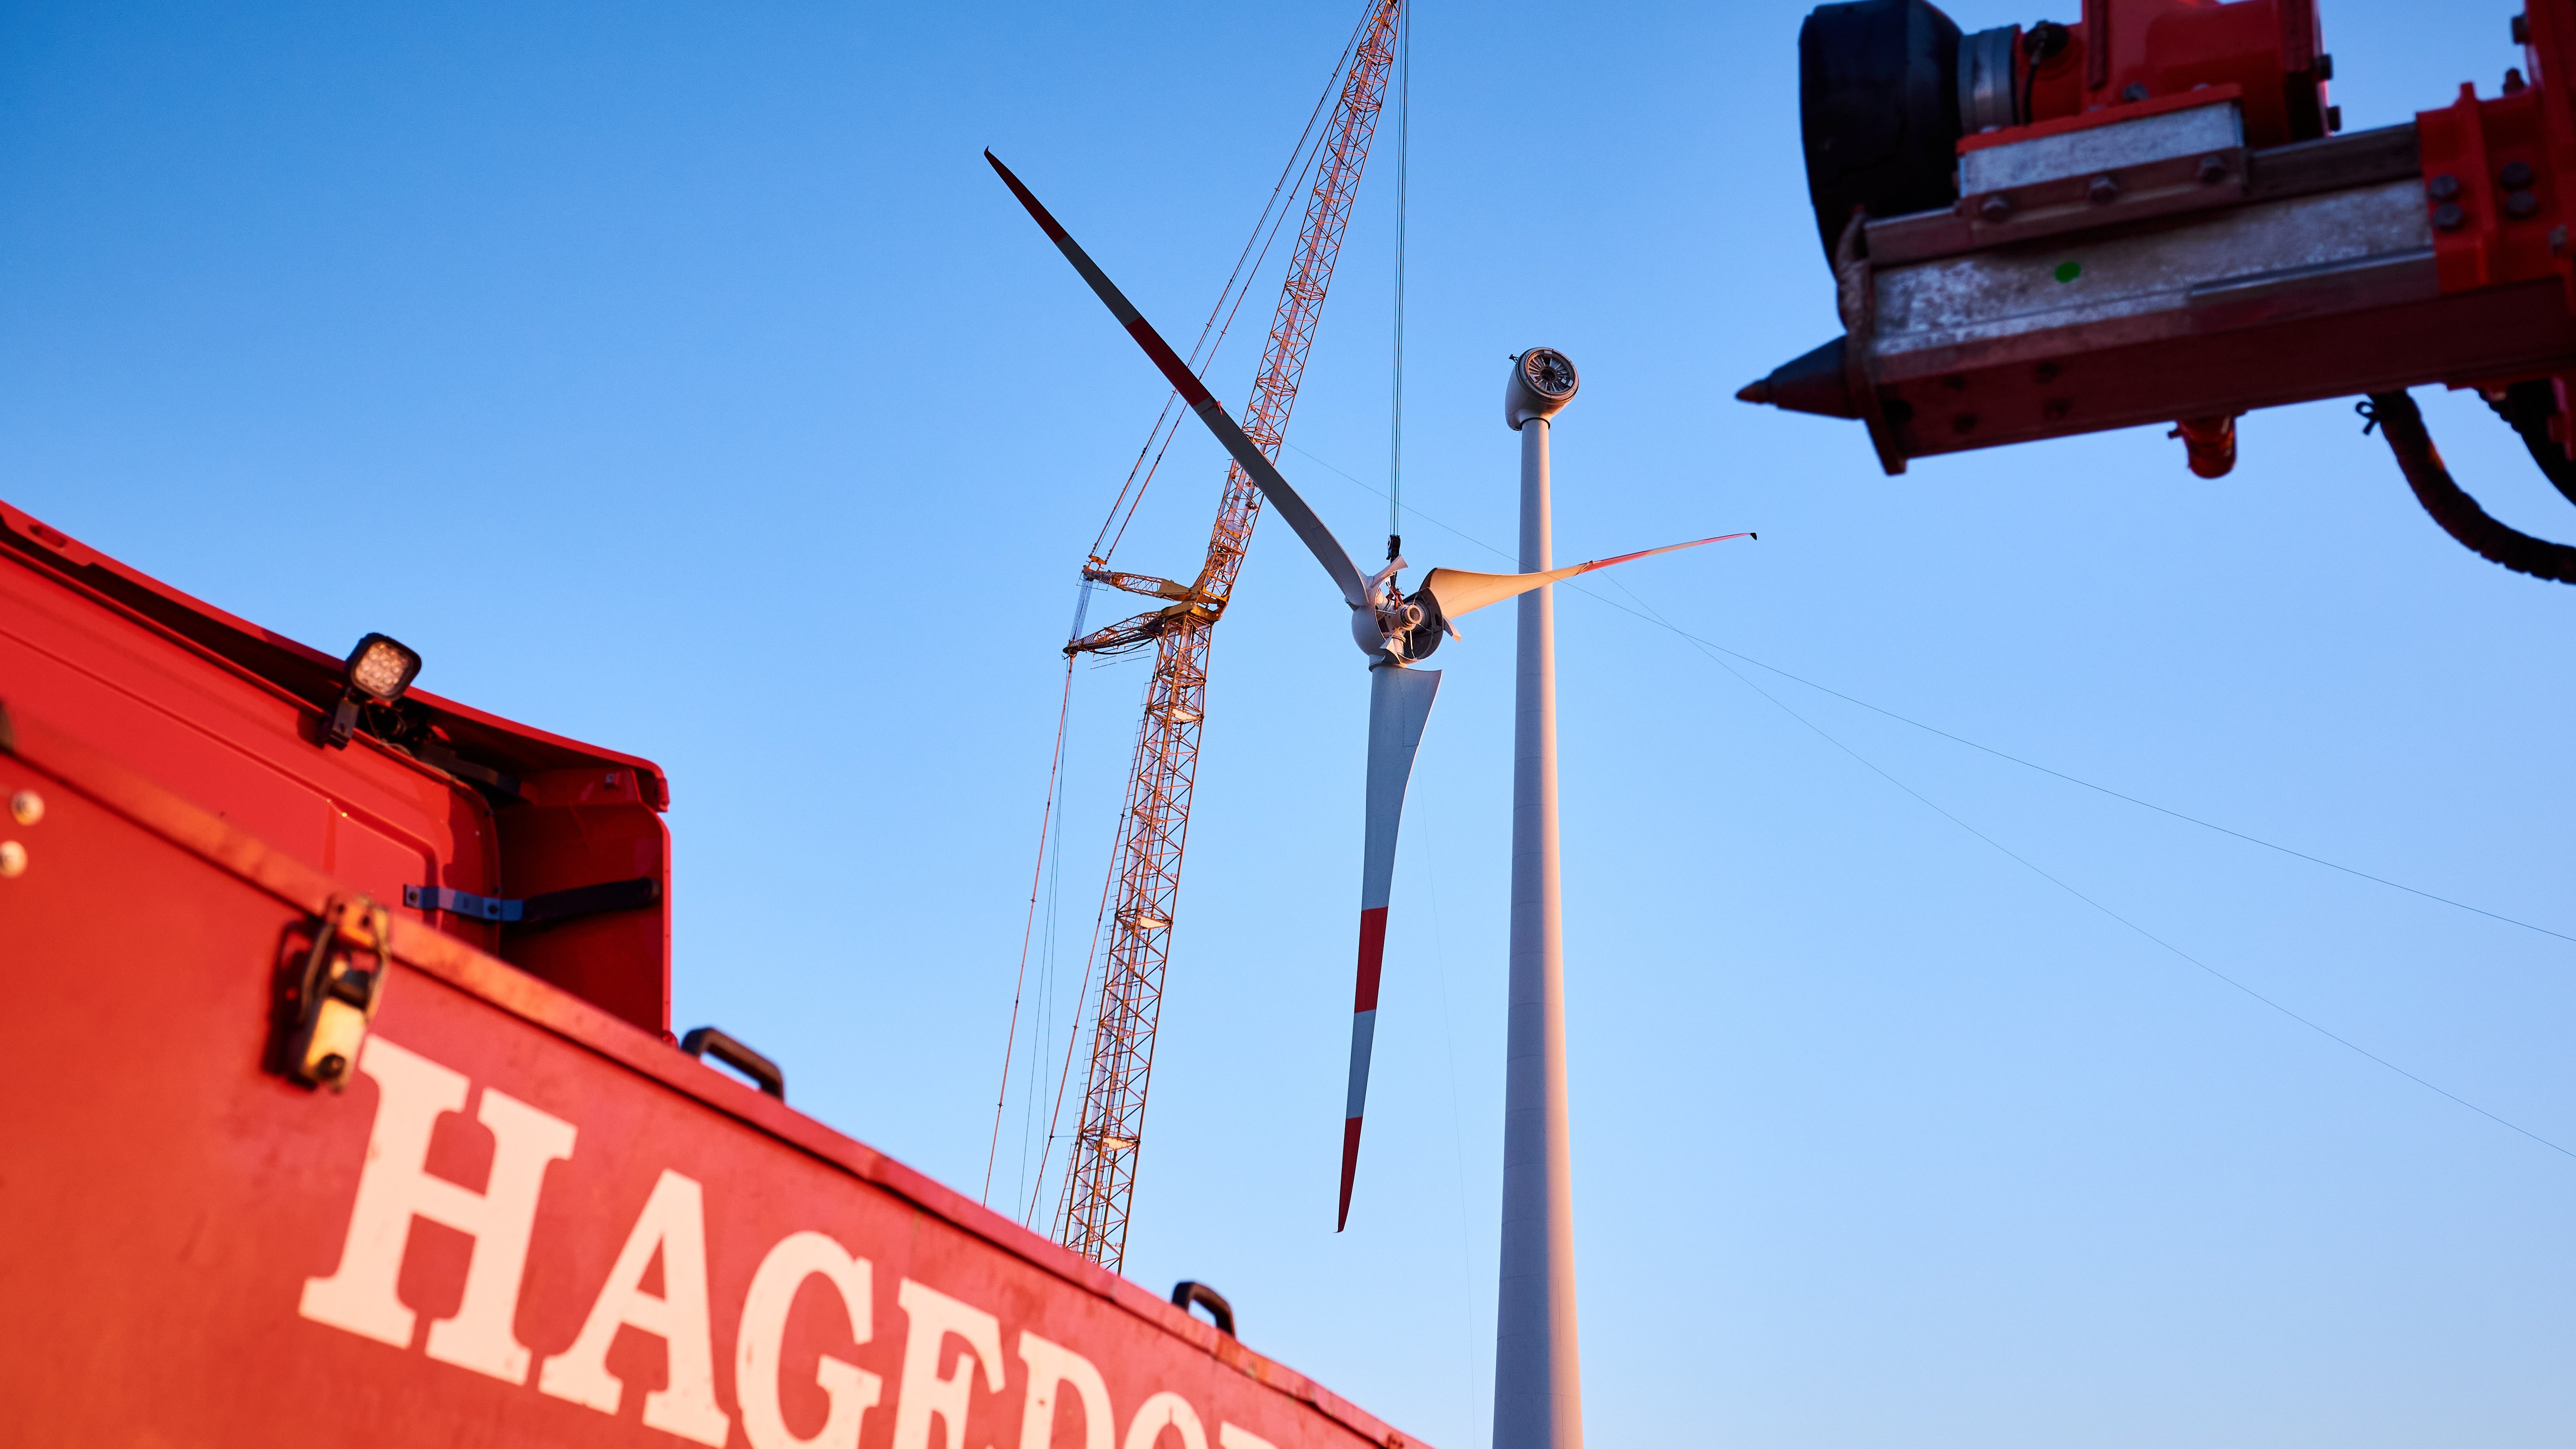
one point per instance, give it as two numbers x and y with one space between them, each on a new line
2529 406
2402 424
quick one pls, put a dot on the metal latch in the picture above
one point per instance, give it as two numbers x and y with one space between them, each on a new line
329 1003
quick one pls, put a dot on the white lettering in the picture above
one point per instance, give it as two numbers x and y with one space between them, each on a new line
932 1316
412 1093
672 1224
1165 1411
1052 1365
851 1390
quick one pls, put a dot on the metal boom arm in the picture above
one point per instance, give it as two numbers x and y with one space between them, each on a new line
1100 1176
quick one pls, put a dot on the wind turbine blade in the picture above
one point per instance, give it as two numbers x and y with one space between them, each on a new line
1328 550
1399 706
1460 591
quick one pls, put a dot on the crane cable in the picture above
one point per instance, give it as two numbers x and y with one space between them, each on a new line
1046 818
1403 148
1238 287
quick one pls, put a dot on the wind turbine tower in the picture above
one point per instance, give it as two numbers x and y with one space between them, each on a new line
1538 1375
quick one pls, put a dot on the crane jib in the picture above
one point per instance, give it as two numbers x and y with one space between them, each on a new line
1093 1212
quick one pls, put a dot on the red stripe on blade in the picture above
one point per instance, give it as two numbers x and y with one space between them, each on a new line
1603 563
1350 1168
1170 362
1372 957
1036 208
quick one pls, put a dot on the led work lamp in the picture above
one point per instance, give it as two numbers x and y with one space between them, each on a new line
378 671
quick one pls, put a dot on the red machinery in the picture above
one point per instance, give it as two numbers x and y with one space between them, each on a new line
2144 217
347 1110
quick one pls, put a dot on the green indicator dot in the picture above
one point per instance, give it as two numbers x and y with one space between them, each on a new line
2069 271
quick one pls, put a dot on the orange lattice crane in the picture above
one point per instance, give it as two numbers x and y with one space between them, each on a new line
1100 1177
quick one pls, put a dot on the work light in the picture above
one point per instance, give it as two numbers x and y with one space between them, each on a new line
378 671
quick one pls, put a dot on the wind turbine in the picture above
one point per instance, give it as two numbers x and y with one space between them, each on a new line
1395 630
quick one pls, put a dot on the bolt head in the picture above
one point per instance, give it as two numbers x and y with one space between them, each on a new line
2516 176
1996 207
2448 216
2445 187
26 807
2521 205
2104 190
13 859
2213 170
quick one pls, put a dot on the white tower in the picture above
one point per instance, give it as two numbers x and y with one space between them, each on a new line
1538 1376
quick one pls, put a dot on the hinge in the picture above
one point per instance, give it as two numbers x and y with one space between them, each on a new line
325 1006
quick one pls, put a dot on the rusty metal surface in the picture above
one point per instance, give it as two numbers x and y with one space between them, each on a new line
2274 173
2195 130
2298 345
2142 281
525 1222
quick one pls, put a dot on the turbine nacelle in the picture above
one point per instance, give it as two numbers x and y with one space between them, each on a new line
1394 628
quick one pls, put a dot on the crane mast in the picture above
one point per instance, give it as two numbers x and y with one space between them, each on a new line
1100 1176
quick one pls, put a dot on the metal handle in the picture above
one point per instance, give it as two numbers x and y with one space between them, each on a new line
707 1041
1187 1292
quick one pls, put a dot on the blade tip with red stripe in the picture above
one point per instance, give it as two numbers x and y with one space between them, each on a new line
1350 1168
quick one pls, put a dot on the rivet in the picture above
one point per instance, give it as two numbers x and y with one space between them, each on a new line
1995 207
2521 205
26 807
2516 176
13 859
2104 190
2443 187
2448 216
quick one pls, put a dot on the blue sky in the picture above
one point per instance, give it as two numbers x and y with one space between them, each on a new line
678 378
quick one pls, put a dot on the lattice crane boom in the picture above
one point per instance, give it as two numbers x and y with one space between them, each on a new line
1100 1176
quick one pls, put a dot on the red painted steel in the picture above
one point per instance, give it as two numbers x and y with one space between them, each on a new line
2168 47
529 1219
232 713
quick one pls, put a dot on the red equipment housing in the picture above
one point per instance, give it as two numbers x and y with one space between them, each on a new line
2269 49
2142 217
295 1163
